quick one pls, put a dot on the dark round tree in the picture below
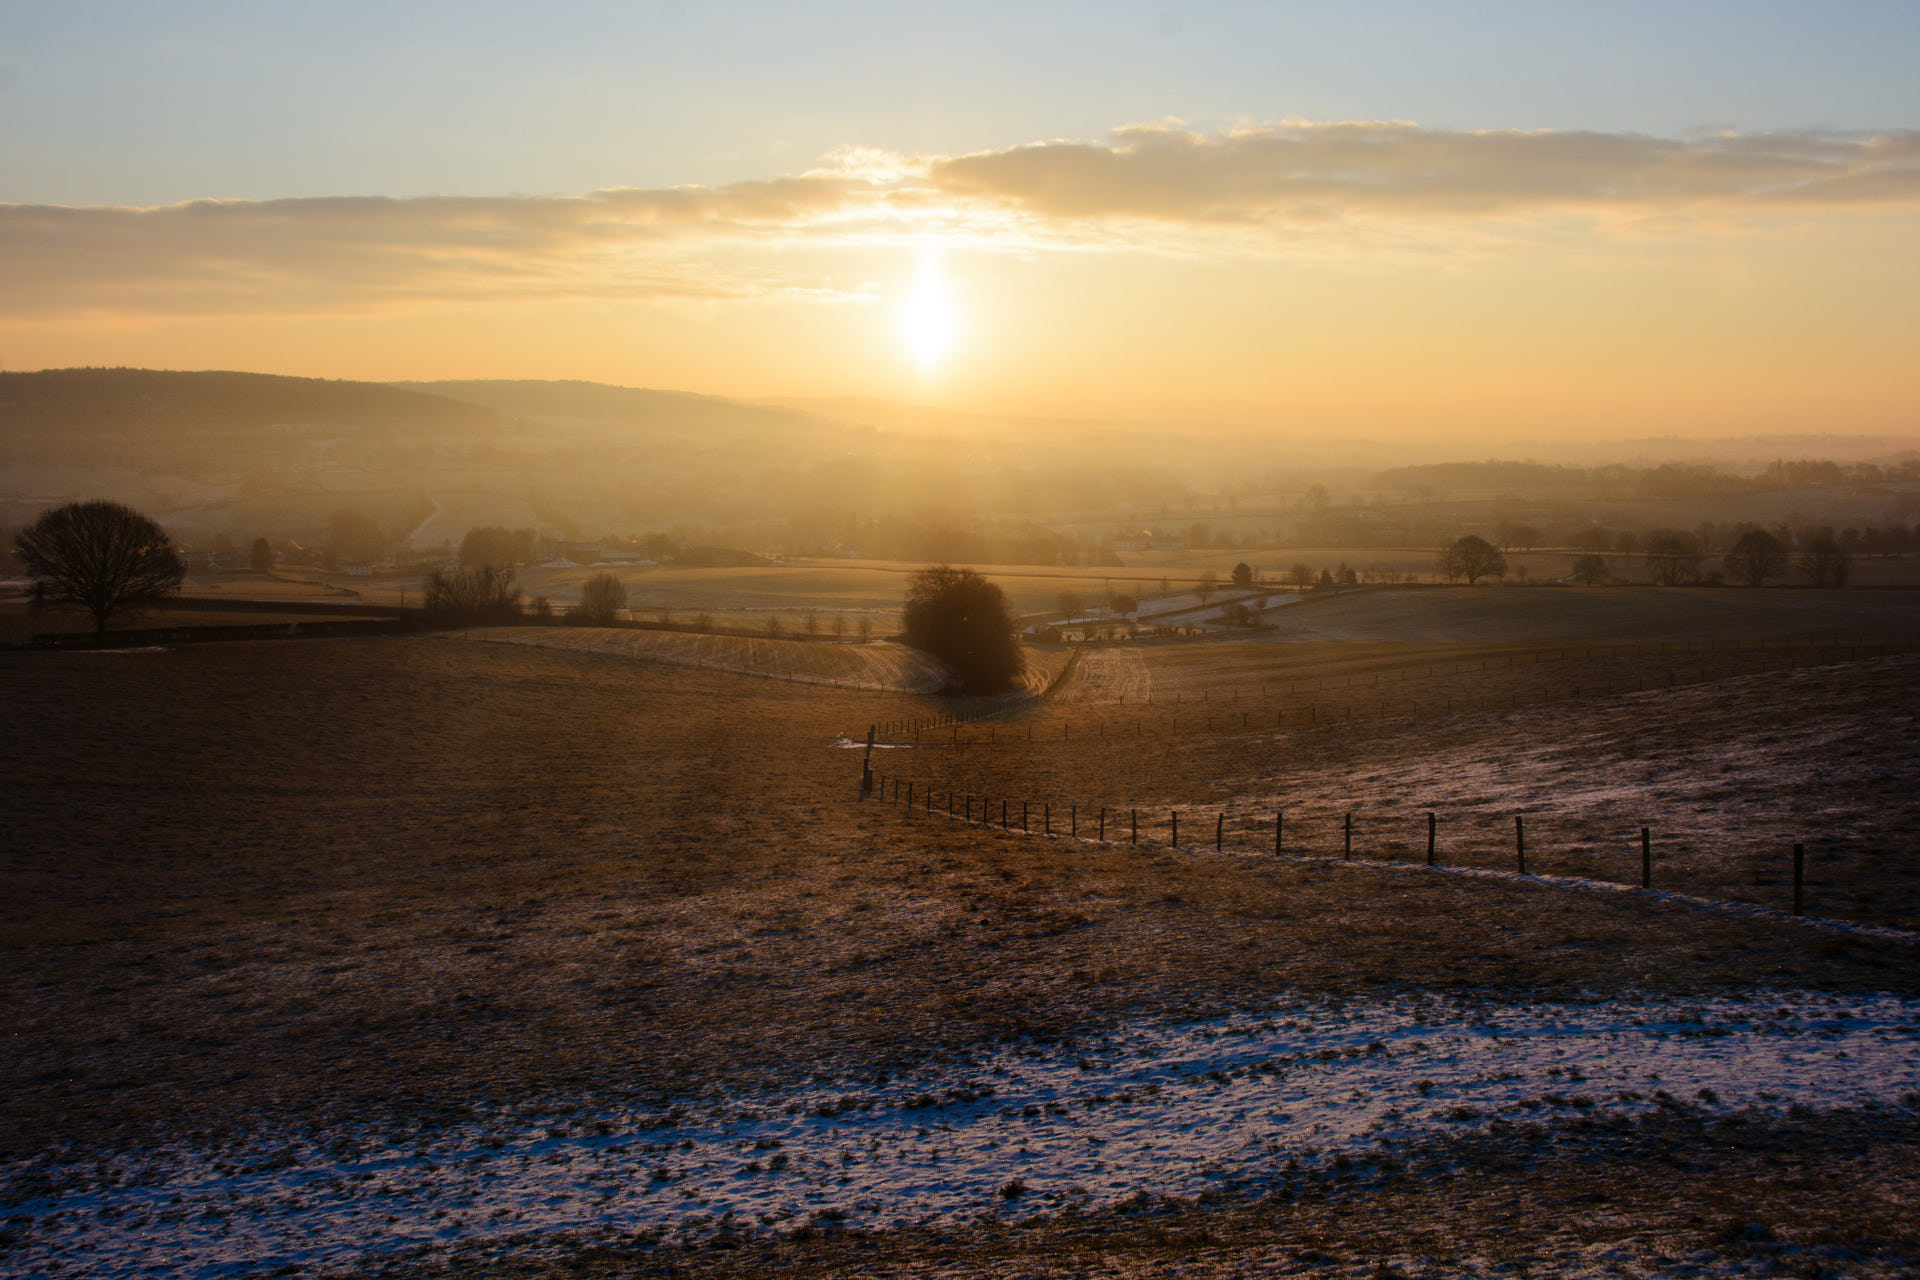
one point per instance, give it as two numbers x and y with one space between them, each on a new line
100 555
962 619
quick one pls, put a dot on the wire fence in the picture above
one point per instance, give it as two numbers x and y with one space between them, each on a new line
1346 835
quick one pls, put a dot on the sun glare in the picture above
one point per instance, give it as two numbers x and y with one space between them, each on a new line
927 319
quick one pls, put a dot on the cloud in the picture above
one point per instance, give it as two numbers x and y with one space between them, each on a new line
225 255
1314 172
1194 191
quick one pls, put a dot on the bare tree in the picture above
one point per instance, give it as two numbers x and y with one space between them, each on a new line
601 598
839 627
1513 536
1673 557
1472 558
102 556
863 627
458 597
1825 561
1302 575
1208 584
1757 556
1590 569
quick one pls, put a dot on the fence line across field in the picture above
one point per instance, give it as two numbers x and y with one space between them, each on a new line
917 796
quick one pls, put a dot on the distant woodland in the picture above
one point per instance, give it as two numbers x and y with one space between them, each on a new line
339 471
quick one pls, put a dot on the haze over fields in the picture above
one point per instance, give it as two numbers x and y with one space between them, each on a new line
1003 641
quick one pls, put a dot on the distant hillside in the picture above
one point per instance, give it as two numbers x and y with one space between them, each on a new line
634 406
159 404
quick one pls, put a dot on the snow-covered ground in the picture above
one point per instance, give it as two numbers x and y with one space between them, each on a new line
1007 1130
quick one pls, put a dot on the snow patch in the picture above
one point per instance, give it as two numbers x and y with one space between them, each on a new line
1221 1104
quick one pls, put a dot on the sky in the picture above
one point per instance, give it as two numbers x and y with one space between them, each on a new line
1402 220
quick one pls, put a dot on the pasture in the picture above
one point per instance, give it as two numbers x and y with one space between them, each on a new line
428 955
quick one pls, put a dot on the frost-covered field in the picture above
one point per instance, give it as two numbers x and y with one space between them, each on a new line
855 666
1010 1131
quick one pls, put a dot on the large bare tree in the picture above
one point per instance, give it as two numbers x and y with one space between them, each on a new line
1757 556
1673 557
103 556
1472 558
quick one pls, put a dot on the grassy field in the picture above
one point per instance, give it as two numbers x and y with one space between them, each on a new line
1599 615
430 956
872 665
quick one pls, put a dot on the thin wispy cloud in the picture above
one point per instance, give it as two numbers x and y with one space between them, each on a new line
712 243
1318 171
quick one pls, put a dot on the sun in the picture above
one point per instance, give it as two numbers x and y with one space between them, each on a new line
927 319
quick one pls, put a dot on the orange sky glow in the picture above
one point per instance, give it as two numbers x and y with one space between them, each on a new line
1315 277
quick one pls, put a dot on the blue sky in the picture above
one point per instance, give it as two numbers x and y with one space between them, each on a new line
124 103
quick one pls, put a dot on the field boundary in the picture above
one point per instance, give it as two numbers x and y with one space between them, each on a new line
215 633
1722 906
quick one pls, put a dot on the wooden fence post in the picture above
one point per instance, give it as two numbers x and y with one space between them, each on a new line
1348 849
1175 842
1646 858
1799 877
1219 830
1136 826
1103 824
1432 824
1520 843
1049 817
1023 817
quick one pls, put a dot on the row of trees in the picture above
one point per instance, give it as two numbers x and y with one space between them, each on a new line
1675 558
1894 540
1677 561
489 594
